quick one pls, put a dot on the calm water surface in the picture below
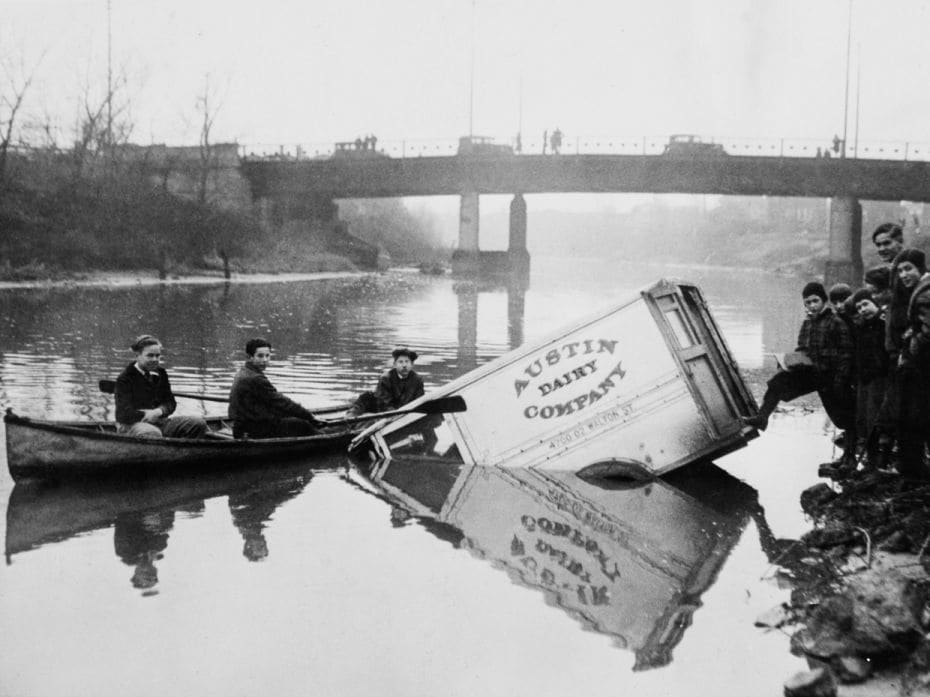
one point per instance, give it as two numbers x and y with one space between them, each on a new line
323 578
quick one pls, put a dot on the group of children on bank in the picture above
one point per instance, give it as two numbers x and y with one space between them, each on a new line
145 403
867 354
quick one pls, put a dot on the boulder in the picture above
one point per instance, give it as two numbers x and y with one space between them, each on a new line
816 497
813 683
851 669
831 535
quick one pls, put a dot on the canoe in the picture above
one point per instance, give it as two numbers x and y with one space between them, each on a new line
39 449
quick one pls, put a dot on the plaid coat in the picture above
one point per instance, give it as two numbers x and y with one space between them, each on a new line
827 341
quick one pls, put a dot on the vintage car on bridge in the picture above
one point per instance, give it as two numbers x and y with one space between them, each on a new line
356 150
686 145
483 146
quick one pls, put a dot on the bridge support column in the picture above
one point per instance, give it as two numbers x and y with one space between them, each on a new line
467 258
844 260
518 255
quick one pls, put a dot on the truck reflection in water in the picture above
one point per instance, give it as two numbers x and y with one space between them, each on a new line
627 559
142 513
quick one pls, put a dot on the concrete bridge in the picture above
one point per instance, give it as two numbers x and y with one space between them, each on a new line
296 183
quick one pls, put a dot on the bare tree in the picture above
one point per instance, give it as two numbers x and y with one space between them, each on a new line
208 106
102 126
16 82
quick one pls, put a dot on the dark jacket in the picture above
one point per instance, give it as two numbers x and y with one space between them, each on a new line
134 393
871 358
896 318
918 332
827 341
254 403
393 393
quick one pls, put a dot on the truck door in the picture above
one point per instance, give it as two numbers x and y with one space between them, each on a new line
704 360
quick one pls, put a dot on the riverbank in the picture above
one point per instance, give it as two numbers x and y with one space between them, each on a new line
860 605
146 278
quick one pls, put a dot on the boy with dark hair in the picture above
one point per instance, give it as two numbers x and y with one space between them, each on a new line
822 362
871 371
144 401
257 409
396 388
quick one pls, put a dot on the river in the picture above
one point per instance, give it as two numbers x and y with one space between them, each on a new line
316 578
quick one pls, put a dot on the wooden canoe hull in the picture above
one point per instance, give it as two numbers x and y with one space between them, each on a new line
38 449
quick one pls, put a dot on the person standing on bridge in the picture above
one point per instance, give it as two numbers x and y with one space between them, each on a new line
545 140
556 141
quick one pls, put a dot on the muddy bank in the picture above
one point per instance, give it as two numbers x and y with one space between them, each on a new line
138 278
860 606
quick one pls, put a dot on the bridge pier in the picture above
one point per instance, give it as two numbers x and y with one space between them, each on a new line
469 259
519 260
844 258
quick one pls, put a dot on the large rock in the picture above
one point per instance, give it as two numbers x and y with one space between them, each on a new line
812 683
831 535
878 615
851 669
816 497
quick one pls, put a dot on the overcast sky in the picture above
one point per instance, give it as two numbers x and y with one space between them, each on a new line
324 70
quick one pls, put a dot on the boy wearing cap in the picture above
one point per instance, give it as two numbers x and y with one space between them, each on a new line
396 387
144 401
826 343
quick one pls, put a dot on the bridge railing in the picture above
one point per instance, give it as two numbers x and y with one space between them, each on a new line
592 145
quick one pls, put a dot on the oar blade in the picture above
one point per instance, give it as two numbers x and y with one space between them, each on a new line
442 405
107 386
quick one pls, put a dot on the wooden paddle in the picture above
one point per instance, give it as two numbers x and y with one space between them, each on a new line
109 387
440 405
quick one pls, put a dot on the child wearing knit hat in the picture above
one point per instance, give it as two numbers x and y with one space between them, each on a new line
826 342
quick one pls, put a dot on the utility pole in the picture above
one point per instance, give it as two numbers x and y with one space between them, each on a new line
858 91
846 104
471 81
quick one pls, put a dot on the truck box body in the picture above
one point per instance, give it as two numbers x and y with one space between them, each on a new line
640 388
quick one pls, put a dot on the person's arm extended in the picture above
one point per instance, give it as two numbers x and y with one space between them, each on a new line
277 403
383 393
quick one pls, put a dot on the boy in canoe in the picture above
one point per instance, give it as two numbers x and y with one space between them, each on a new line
397 387
144 401
257 409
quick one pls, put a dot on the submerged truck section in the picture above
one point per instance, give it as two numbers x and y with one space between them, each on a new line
640 389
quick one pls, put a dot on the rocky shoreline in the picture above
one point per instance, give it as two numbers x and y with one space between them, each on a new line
860 606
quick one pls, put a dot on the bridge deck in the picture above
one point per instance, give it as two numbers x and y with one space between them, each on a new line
375 177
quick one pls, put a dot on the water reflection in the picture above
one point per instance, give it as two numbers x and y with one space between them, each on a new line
142 513
629 560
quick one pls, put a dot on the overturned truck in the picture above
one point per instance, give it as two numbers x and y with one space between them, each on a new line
638 390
